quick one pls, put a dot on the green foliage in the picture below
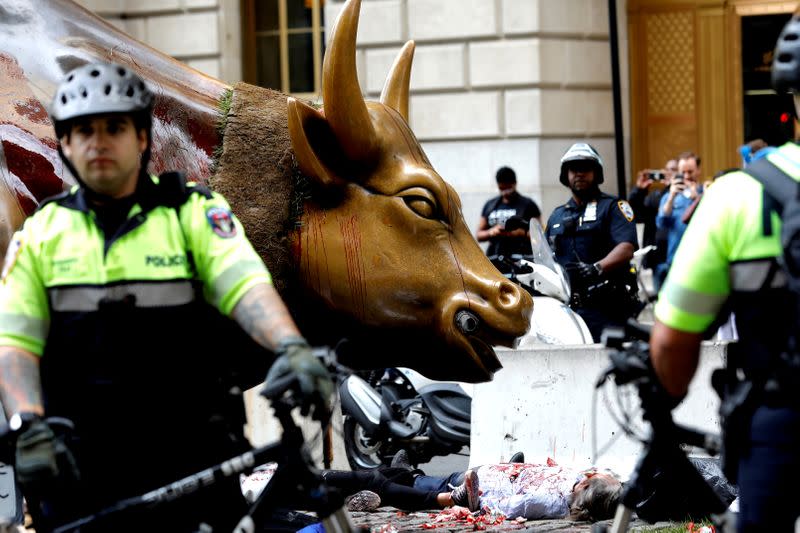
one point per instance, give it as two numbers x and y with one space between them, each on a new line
224 107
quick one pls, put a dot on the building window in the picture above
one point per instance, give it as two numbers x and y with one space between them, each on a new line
284 44
767 114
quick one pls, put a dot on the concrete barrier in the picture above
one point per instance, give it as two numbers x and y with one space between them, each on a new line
263 428
541 404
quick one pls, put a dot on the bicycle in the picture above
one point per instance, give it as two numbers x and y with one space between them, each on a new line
649 492
295 480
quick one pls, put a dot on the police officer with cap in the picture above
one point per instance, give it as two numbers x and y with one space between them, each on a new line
729 259
123 300
593 236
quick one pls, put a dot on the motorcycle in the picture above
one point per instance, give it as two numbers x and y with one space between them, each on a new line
397 408
553 321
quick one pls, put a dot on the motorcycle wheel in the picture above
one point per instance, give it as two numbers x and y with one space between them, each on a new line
363 453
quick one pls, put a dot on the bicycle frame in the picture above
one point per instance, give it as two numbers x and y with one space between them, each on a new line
629 365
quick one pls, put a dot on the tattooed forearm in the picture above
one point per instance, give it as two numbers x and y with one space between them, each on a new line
264 316
20 385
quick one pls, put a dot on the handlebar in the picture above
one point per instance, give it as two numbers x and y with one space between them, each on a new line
513 264
630 364
297 478
8 435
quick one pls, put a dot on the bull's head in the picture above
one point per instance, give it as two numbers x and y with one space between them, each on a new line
382 250
384 238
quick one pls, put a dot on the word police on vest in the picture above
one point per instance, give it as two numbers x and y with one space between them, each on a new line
165 260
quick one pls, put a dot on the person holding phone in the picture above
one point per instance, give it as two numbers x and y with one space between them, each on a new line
684 189
497 211
645 197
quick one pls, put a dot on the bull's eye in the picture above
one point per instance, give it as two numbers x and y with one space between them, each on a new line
421 206
423 203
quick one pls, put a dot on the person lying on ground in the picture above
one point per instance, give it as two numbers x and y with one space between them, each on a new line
529 490
540 491
394 486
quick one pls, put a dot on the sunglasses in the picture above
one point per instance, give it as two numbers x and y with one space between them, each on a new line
581 166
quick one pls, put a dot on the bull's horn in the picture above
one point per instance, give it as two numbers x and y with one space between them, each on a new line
395 90
345 108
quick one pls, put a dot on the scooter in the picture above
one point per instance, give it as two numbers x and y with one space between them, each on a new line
397 408
553 321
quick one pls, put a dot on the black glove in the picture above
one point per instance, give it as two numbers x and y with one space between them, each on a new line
298 368
587 272
41 459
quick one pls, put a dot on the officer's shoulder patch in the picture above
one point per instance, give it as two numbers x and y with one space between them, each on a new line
221 221
626 209
12 253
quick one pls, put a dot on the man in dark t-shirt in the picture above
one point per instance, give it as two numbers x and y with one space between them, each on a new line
498 210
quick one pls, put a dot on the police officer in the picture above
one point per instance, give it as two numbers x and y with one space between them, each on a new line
727 259
116 302
593 236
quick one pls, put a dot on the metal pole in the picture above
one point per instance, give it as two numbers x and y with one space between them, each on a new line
619 139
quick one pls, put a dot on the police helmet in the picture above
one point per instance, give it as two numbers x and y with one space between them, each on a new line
582 152
786 63
98 88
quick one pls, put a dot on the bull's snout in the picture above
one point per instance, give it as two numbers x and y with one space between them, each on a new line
492 308
503 315
509 295
490 312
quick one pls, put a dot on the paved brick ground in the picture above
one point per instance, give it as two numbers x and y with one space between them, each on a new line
388 519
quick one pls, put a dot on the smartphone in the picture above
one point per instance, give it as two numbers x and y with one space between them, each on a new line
655 175
678 178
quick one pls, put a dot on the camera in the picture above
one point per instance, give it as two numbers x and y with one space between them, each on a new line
678 178
656 175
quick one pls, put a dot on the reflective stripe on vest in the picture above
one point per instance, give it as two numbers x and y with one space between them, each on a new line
150 294
752 276
24 326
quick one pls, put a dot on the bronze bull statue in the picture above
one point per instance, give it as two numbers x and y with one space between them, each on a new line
364 239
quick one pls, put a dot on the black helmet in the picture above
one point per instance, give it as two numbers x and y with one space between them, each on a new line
98 88
582 152
786 63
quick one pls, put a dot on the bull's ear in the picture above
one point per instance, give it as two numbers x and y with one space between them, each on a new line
312 140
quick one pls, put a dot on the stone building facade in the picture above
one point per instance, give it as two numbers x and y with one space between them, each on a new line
494 82
497 82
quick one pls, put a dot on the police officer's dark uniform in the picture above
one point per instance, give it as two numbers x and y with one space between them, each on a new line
582 235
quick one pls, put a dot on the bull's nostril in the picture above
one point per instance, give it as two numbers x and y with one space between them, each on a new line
467 322
509 294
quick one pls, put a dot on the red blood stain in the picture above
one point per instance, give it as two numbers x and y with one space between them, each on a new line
35 171
10 67
205 137
26 203
33 111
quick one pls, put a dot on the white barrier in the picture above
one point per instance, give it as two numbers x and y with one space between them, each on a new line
540 403
263 428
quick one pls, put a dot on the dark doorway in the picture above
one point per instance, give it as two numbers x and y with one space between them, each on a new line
767 115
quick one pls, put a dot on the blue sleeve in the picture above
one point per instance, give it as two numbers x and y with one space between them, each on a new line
664 221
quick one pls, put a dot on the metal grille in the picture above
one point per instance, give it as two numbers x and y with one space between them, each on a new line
670 63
